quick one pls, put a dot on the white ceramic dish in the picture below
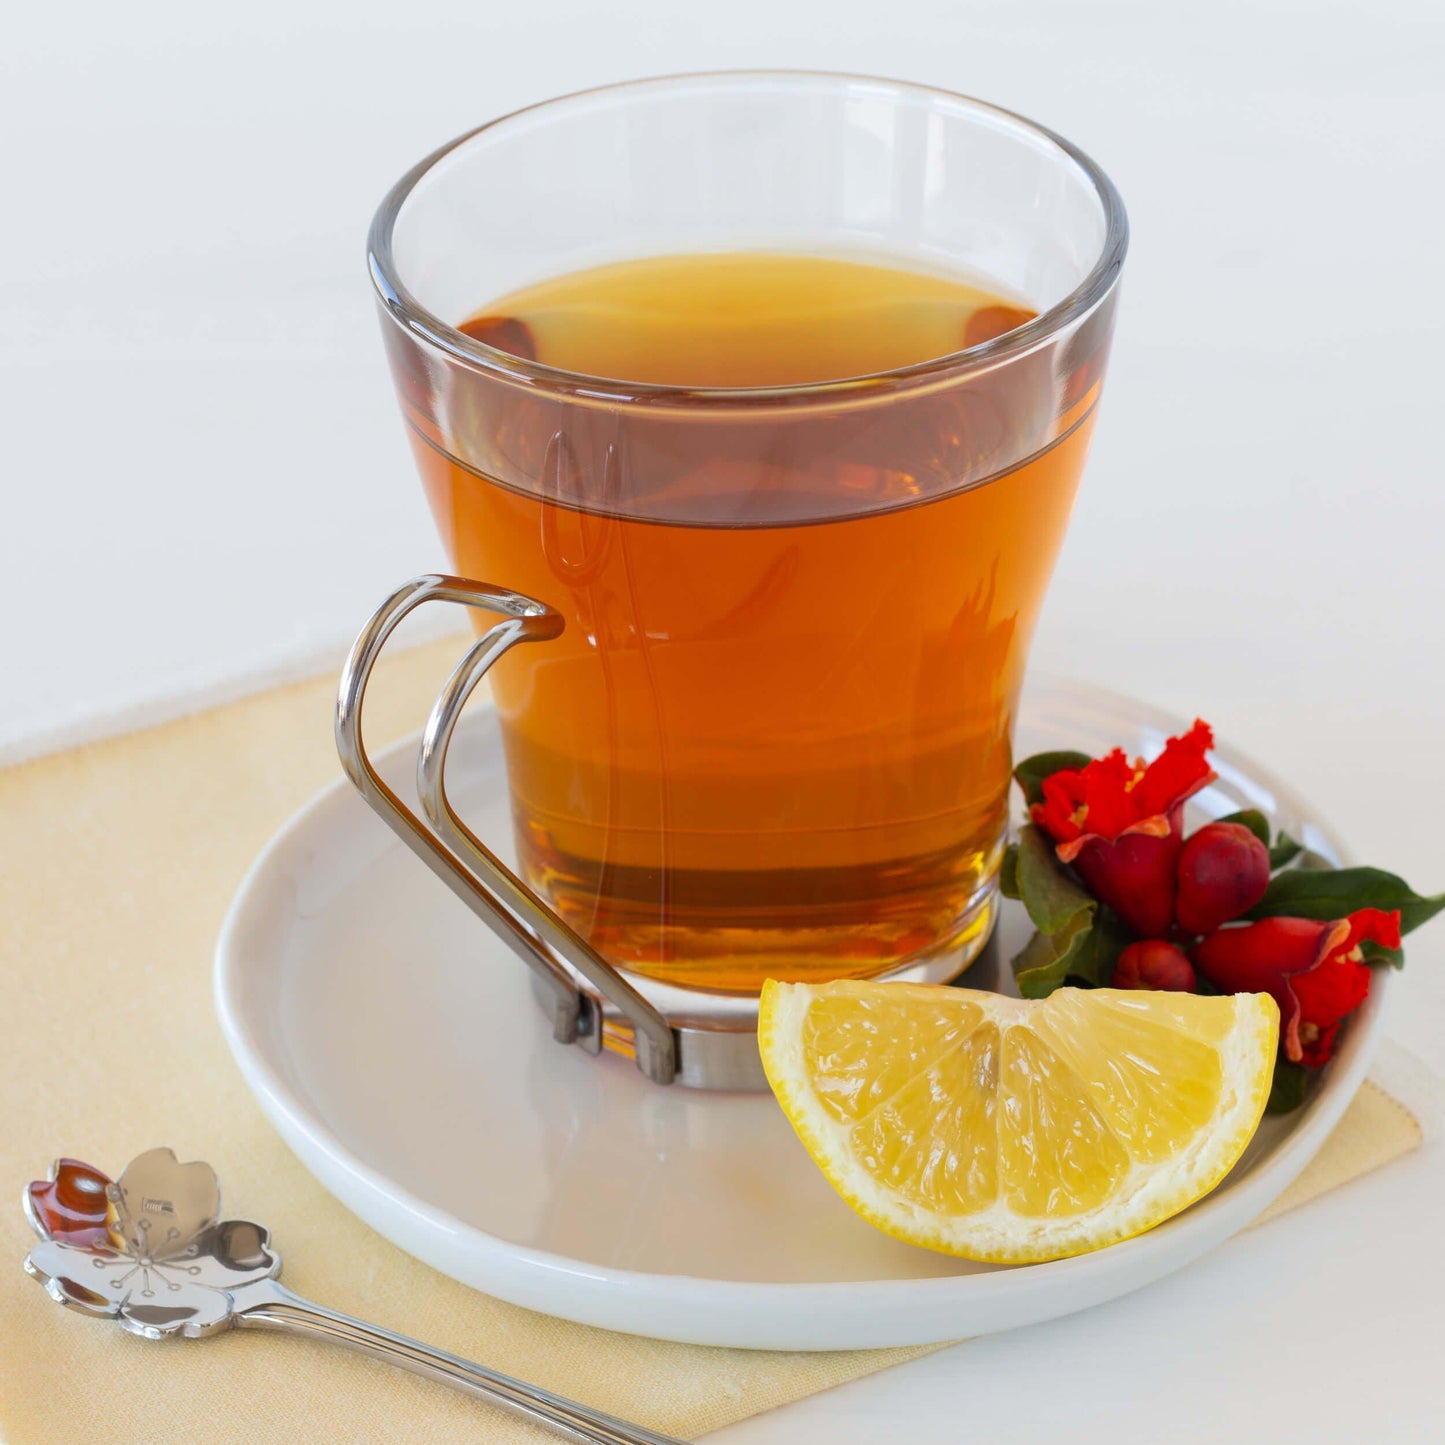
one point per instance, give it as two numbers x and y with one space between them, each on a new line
396 1047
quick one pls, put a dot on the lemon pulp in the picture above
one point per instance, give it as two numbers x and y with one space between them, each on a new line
1015 1130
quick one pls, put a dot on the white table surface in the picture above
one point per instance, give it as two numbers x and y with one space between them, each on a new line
206 487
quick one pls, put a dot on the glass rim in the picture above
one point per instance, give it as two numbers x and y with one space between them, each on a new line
404 309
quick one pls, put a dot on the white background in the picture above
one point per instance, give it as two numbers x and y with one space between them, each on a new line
206 487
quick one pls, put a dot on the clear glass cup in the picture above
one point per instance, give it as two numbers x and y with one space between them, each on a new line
774 737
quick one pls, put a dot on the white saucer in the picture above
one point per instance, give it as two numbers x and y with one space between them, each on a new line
397 1048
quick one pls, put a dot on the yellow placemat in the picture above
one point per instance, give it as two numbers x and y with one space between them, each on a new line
117 862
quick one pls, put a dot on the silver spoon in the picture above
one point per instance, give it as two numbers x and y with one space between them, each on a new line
148 1250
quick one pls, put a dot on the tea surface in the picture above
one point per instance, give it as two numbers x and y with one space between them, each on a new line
744 319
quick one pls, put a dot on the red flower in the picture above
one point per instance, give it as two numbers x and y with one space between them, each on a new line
1120 825
1315 971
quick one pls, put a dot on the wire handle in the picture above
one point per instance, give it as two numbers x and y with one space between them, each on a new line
548 945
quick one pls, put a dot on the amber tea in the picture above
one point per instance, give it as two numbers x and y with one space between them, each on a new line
765 746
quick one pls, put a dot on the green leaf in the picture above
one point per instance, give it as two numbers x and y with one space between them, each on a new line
1085 952
1287 1092
1040 965
1328 893
1043 963
1252 819
1030 773
1052 898
1008 872
1094 959
1285 850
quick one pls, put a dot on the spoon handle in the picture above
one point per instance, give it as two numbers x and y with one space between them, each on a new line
271 1306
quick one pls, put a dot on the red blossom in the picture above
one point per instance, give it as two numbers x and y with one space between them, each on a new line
1119 823
1314 970
1111 796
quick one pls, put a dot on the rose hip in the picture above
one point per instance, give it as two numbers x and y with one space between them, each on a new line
1154 964
1223 873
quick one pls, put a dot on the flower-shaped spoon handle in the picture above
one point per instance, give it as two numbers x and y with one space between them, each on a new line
147 1250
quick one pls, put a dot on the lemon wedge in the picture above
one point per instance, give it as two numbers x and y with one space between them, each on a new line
1012 1130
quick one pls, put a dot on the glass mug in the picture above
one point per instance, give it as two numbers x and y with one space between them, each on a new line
773 738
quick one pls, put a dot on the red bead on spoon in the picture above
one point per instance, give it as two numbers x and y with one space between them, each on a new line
71 1204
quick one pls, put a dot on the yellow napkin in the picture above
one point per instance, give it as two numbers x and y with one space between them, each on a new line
117 862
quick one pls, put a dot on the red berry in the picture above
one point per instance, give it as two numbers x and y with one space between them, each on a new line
1154 964
1223 872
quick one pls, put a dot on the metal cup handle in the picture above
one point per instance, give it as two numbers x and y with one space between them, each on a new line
502 901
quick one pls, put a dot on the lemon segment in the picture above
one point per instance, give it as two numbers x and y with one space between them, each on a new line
1011 1130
